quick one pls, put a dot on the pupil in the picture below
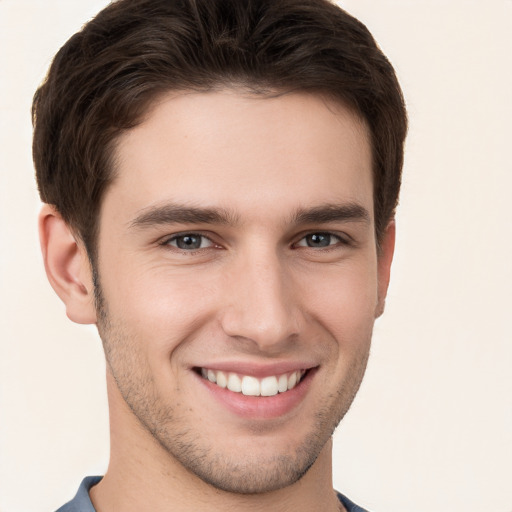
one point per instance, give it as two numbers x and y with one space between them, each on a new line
189 242
319 240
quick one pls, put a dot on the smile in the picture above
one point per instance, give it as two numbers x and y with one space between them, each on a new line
252 386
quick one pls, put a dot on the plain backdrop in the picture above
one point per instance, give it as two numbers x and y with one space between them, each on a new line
431 428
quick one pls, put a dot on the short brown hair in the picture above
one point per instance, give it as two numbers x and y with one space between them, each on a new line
103 79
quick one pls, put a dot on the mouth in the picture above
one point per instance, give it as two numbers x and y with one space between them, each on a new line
249 385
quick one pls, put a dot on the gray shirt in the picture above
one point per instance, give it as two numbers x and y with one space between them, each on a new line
82 502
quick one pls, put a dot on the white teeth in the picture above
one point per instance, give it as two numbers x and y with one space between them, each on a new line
251 386
269 386
282 384
222 380
234 383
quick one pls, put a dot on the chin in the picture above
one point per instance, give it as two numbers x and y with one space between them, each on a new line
254 474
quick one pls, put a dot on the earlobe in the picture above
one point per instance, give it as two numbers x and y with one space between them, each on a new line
67 266
385 257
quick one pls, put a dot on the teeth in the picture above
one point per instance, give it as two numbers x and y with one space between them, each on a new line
222 380
234 383
282 383
251 386
269 386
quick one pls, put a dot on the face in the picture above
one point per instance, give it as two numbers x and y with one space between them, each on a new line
239 280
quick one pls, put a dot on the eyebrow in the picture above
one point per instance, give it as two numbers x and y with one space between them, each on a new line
351 212
171 213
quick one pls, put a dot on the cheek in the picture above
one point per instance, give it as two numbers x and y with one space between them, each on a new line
158 308
346 287
344 302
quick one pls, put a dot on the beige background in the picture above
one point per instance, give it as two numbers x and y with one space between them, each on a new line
432 426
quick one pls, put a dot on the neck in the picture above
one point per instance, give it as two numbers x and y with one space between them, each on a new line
142 475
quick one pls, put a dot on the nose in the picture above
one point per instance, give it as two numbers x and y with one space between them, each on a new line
261 306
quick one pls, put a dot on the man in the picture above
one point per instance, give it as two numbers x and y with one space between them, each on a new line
220 179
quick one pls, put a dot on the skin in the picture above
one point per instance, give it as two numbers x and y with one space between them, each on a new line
259 292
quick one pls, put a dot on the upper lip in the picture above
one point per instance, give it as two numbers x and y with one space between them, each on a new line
258 370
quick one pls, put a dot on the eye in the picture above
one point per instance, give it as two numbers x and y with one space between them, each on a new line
319 240
189 242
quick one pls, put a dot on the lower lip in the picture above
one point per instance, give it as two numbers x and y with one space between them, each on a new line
260 407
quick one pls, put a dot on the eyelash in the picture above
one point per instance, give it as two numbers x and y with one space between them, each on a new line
339 241
167 241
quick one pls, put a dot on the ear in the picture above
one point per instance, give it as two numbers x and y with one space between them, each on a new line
67 266
384 259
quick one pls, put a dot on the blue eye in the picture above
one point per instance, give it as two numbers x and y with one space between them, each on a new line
319 240
189 242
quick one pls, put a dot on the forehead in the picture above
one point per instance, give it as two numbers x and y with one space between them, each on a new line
247 153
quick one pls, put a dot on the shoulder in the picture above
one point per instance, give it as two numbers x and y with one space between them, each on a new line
81 502
349 505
